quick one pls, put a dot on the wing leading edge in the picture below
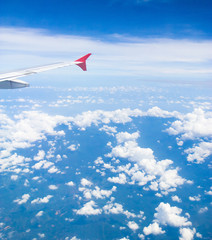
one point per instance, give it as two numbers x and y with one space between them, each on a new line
11 81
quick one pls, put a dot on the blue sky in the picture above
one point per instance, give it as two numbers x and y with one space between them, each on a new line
150 18
124 148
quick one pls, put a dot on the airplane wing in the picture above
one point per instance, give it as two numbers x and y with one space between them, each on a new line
11 80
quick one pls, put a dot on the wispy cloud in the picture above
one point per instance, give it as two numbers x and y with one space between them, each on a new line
122 56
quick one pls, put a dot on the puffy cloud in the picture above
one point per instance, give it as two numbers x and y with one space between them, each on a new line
193 125
203 210
198 153
97 192
121 179
125 136
85 182
73 147
113 208
42 200
187 233
176 199
154 229
23 199
70 183
89 209
146 168
167 215
14 177
133 225
40 155
195 198
53 170
53 187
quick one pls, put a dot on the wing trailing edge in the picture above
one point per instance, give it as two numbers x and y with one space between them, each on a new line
10 81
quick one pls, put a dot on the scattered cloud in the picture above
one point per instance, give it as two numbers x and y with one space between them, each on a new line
187 233
133 225
167 215
85 182
39 214
203 210
195 198
41 200
89 208
175 198
23 199
154 229
198 153
53 187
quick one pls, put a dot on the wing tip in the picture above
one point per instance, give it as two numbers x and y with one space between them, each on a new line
81 62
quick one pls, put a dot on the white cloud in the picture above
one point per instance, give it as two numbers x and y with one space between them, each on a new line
167 215
133 225
125 136
73 147
146 168
14 177
42 200
97 192
195 198
198 153
203 210
199 235
187 233
70 183
181 55
53 187
121 179
113 208
193 125
89 208
85 182
53 170
39 214
40 155
23 199
154 229
175 198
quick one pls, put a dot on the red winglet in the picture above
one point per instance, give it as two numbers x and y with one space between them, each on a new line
82 62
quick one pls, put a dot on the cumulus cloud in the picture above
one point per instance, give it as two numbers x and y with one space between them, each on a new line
187 233
53 187
167 215
198 153
193 125
203 210
146 168
175 198
85 182
133 225
154 229
23 199
73 147
97 192
40 155
70 183
41 200
125 136
121 179
89 208
195 198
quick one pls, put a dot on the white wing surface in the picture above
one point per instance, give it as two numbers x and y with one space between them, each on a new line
11 80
